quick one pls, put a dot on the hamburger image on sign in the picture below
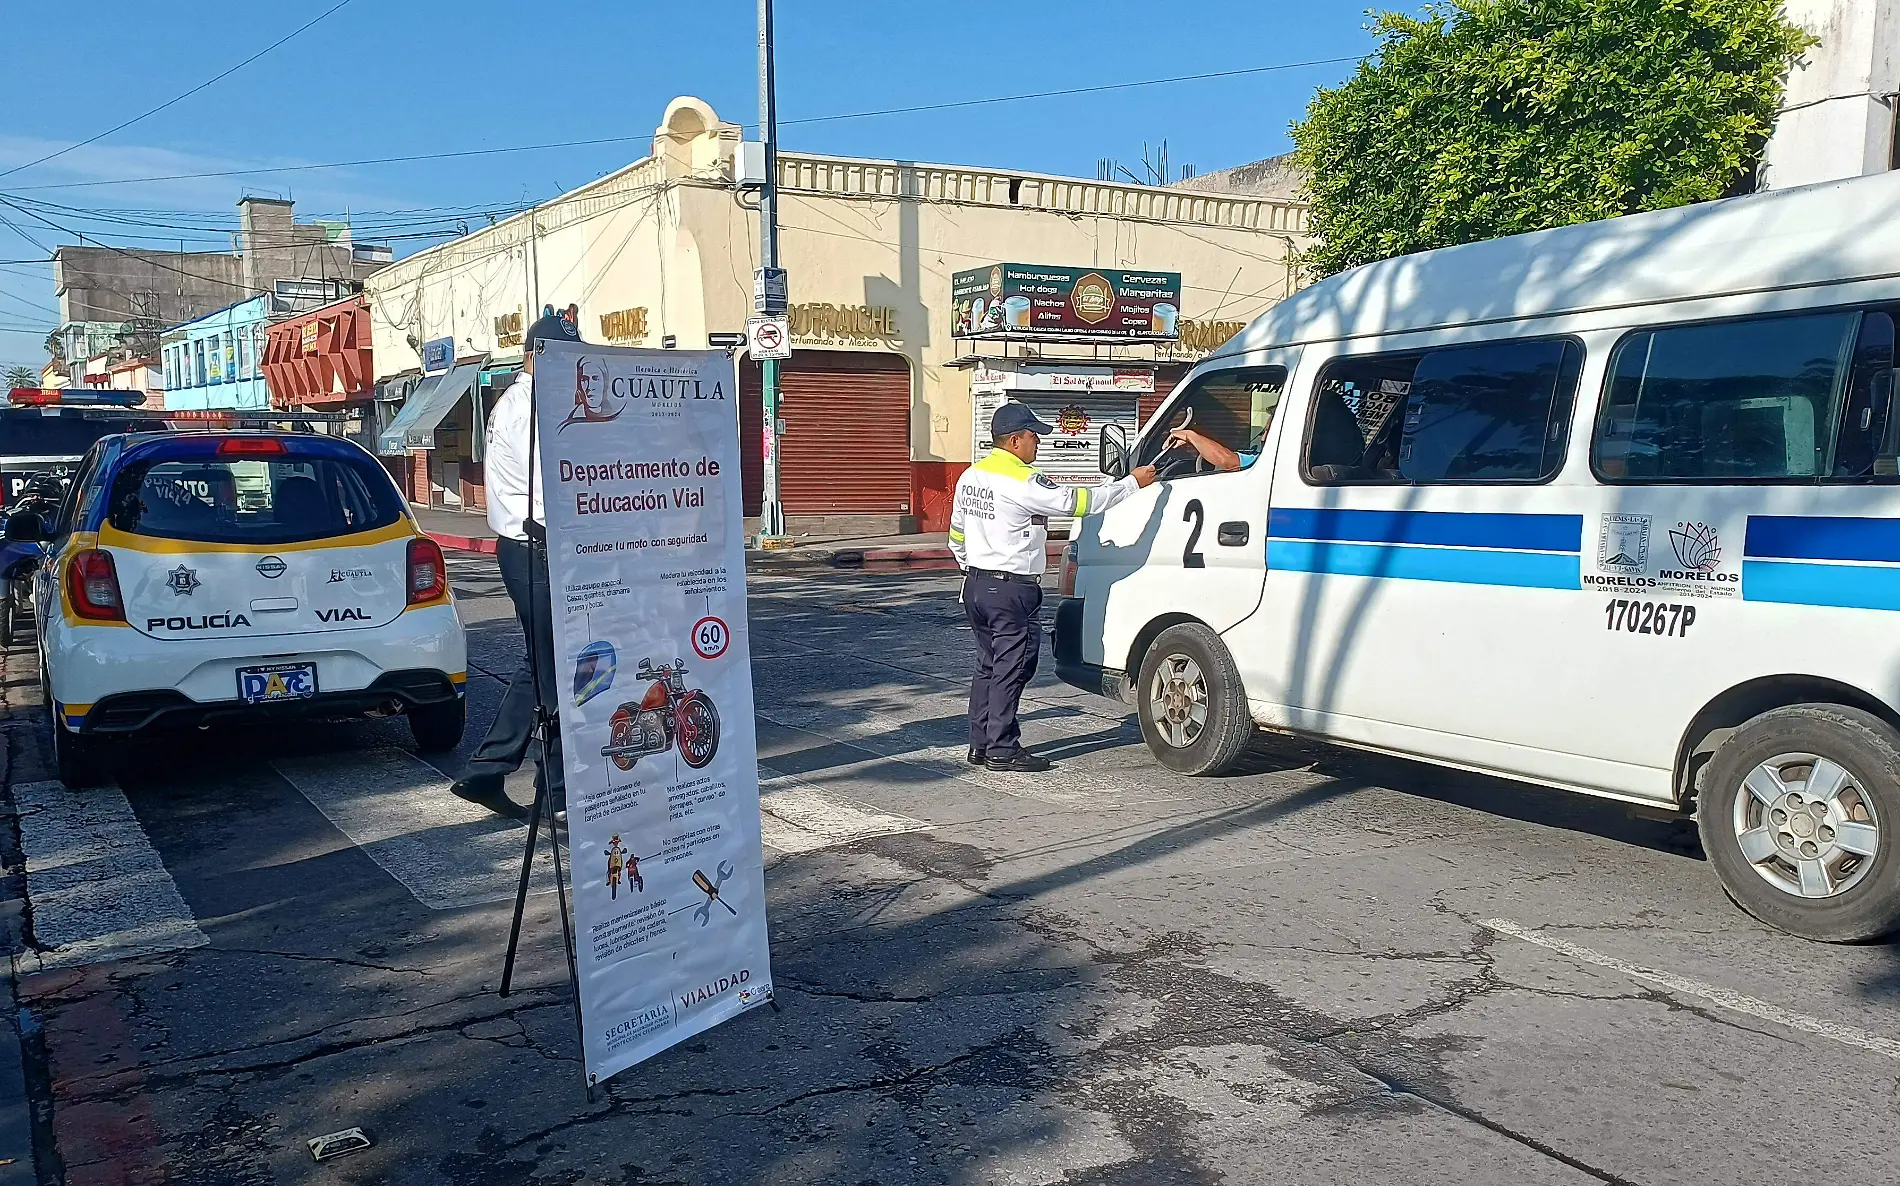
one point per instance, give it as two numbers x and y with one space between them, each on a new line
1092 298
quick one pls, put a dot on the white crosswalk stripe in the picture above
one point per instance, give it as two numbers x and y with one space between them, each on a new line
98 888
797 817
397 808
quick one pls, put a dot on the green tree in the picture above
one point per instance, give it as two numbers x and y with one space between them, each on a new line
1483 118
21 376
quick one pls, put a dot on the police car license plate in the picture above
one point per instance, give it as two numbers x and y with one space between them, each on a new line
285 681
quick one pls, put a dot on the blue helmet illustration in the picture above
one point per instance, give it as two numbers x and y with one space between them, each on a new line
593 671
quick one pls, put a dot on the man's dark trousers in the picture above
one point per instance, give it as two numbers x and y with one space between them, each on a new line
506 745
1002 613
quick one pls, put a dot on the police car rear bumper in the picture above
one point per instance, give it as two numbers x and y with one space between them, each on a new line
137 712
1066 643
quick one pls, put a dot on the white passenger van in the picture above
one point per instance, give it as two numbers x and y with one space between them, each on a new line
1612 507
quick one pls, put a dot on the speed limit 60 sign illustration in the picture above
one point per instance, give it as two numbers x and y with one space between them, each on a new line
768 337
709 637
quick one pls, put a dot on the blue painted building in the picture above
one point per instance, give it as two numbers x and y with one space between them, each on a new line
216 361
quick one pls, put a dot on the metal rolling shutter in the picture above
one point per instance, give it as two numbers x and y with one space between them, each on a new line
846 448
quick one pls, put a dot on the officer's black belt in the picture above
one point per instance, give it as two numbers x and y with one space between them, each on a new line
1025 578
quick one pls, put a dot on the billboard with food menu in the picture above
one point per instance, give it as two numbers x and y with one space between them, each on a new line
1042 301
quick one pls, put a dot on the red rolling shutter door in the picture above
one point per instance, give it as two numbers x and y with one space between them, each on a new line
846 448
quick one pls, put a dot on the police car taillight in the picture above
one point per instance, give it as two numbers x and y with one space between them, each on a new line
92 585
251 447
428 576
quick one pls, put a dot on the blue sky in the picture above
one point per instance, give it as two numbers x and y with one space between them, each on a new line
386 78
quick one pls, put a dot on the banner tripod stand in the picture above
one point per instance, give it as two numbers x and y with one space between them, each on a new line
539 736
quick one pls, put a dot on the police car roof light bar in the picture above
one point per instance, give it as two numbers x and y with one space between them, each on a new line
45 396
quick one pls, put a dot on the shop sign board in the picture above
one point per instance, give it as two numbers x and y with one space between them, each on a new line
1071 455
996 375
307 339
768 337
438 354
646 558
1032 301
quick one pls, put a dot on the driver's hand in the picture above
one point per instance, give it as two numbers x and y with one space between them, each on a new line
1181 436
1144 475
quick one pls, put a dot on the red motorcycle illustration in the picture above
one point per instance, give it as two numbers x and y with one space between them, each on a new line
667 713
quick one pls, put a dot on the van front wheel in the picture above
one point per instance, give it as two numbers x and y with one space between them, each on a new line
1800 816
1192 706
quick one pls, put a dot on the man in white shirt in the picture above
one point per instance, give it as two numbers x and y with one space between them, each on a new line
999 533
512 473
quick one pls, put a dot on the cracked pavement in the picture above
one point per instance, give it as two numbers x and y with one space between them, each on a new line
1106 975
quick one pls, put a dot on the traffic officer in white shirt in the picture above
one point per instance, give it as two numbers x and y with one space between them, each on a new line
524 567
999 533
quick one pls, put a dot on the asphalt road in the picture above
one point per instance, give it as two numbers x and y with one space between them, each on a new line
1327 968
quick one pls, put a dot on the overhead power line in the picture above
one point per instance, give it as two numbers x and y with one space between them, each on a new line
214 79
604 140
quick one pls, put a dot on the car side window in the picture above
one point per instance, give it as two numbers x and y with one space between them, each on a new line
81 493
1233 407
1866 424
1486 412
1750 400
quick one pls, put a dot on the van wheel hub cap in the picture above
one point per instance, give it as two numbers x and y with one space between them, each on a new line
1806 825
1177 701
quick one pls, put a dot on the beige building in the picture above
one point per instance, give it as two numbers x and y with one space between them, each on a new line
878 413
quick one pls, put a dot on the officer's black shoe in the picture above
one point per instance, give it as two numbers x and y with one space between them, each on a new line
1020 762
486 790
974 757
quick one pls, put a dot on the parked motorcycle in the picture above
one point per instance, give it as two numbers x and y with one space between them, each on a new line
19 559
668 713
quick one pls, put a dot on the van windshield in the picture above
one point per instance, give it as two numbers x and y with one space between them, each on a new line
245 500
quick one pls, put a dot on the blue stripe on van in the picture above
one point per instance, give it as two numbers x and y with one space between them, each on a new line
1458 529
1846 586
1795 537
1467 566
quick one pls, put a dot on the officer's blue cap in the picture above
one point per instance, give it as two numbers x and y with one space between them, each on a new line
1014 417
552 327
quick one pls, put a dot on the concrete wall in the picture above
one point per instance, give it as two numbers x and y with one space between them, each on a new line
1837 119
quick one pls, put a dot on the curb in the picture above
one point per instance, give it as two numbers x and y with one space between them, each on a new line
855 558
464 543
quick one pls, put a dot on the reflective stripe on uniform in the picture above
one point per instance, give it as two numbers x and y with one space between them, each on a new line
1081 501
956 535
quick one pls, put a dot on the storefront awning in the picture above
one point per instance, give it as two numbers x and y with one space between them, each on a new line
431 401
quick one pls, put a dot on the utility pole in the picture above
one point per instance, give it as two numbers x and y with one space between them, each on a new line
771 512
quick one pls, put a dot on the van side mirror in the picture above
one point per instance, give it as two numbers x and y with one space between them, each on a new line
27 527
1113 458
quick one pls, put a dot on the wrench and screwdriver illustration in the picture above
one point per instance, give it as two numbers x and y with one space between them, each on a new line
711 890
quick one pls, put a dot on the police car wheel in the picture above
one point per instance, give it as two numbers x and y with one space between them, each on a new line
438 727
1799 812
9 608
1192 706
78 760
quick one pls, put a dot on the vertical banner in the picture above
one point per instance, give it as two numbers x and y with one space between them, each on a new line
646 559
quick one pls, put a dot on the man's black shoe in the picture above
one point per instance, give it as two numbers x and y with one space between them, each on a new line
974 757
1020 762
486 790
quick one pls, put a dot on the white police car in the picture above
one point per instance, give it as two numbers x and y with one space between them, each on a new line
203 577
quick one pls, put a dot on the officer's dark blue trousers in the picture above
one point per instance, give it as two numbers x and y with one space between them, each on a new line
1003 617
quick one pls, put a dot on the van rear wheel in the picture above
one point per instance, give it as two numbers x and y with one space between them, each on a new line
1799 814
1192 706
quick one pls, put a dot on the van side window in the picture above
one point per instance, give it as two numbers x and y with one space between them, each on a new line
1751 400
1234 407
1866 416
1489 412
